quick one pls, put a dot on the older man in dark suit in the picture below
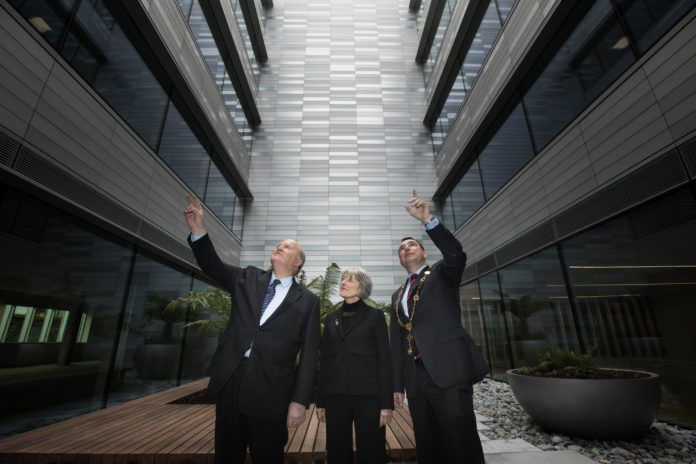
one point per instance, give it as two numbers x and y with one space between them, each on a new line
260 392
433 357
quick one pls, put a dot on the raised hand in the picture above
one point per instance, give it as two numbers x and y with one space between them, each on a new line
419 209
194 215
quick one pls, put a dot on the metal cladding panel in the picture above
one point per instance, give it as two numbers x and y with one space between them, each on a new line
646 182
688 153
8 148
672 76
55 178
24 68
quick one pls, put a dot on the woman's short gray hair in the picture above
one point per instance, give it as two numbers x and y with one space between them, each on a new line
362 278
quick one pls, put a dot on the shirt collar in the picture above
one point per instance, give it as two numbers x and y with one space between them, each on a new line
420 269
285 282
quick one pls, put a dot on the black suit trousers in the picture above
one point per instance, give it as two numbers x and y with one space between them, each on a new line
363 410
444 422
235 431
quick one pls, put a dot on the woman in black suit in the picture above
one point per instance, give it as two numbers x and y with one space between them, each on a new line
355 376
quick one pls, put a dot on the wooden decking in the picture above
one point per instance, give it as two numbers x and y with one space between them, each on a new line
151 431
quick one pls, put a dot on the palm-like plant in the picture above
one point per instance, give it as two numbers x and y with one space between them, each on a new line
218 300
198 302
325 287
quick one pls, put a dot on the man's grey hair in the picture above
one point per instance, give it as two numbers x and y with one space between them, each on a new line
362 278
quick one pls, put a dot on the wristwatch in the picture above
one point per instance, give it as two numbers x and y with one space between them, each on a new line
429 220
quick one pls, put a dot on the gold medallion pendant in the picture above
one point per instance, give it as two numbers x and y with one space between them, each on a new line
408 326
410 351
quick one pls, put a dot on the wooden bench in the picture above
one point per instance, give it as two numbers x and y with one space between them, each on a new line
149 430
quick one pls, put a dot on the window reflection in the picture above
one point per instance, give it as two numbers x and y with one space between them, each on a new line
590 59
537 309
495 328
472 315
633 283
467 196
60 297
150 343
47 17
507 152
634 280
182 151
648 20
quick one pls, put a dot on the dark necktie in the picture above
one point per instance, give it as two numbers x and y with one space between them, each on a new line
409 302
270 293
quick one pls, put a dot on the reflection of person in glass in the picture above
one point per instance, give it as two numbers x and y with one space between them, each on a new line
433 357
355 378
259 391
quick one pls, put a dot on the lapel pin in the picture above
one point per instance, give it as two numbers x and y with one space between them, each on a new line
427 273
336 322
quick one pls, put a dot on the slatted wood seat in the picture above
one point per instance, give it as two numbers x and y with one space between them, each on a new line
149 430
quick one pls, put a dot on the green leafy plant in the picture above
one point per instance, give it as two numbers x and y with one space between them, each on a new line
557 362
218 300
562 363
200 302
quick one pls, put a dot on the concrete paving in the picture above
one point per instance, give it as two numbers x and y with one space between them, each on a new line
519 451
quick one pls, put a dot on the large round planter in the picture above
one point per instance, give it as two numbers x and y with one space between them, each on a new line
607 409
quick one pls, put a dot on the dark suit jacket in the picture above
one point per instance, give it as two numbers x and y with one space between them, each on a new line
356 361
271 380
449 354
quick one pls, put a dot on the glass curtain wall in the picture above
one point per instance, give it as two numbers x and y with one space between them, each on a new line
591 56
83 318
439 35
215 60
472 59
94 44
626 286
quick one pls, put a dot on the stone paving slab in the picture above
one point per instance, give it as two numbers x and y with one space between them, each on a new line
516 445
539 457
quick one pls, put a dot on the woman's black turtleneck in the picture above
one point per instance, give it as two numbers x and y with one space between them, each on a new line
348 310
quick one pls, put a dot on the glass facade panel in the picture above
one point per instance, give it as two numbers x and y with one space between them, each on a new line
125 81
472 315
182 151
481 45
206 43
507 152
52 284
439 35
634 280
467 196
150 342
200 343
648 20
496 333
447 213
68 296
220 197
537 309
592 57
47 17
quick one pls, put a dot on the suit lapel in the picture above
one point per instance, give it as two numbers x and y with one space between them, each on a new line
293 294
